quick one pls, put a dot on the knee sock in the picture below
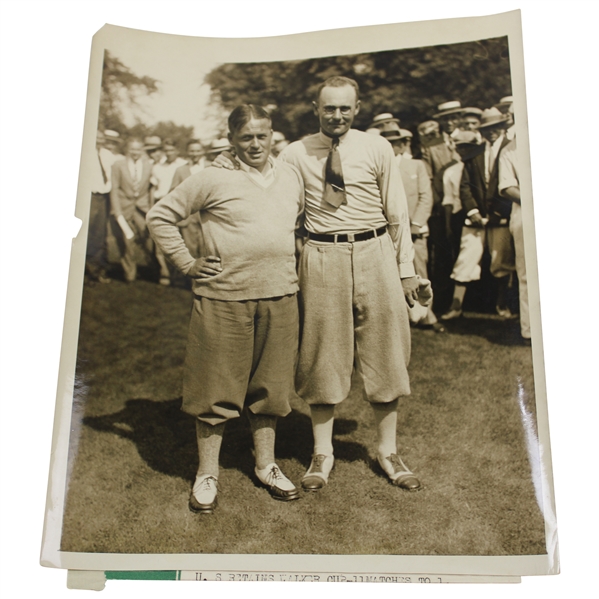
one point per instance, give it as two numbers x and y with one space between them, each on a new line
209 438
263 433
385 417
323 417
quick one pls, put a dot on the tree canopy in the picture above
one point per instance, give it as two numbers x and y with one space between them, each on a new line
119 101
409 83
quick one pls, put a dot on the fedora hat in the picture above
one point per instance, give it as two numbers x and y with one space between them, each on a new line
447 108
152 142
492 117
397 135
219 145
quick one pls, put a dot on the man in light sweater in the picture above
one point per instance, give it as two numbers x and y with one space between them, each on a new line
244 324
355 270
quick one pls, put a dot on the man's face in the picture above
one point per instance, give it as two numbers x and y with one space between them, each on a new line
135 150
155 155
252 142
195 152
470 123
491 134
171 153
451 122
336 109
399 146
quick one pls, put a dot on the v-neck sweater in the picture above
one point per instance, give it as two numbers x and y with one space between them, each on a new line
249 227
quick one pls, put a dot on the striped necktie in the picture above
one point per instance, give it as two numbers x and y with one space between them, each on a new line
334 186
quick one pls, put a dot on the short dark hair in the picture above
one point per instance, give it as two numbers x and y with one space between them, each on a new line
243 114
338 82
193 141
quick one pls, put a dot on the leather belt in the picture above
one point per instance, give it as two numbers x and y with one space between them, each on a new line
347 237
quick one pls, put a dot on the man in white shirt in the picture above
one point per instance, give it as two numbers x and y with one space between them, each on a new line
95 257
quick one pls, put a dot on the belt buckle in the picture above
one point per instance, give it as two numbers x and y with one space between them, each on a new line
351 238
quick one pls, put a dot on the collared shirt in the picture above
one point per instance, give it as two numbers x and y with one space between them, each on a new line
103 162
162 176
200 166
373 186
136 169
508 167
265 178
491 151
452 177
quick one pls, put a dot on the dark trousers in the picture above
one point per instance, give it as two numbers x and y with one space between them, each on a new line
95 255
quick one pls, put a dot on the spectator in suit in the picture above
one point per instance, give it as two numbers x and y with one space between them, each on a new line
153 149
196 161
162 179
130 202
419 194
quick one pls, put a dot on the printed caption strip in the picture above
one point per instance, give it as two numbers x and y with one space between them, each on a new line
96 579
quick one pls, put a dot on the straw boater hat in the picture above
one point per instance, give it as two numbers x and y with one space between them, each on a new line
152 142
504 102
447 108
492 117
380 121
110 135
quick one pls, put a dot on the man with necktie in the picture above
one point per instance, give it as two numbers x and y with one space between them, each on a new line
355 269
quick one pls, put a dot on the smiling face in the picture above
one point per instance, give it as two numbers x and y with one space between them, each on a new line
252 142
336 109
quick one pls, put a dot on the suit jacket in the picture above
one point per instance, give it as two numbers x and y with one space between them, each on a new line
180 175
419 193
126 195
476 192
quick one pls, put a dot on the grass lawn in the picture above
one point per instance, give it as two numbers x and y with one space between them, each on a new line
133 454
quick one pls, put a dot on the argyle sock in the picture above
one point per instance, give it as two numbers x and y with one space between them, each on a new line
263 433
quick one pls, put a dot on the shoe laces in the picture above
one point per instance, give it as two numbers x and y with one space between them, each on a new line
274 475
208 484
317 462
397 463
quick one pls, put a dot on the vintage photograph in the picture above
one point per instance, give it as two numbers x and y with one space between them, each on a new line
303 311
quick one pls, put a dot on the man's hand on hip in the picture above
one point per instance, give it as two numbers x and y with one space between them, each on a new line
225 160
205 267
410 289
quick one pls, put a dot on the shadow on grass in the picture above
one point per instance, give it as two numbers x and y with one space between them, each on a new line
491 328
165 438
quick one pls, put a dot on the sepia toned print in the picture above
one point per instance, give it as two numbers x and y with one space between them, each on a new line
468 428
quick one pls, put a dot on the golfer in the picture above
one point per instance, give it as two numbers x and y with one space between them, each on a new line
243 334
